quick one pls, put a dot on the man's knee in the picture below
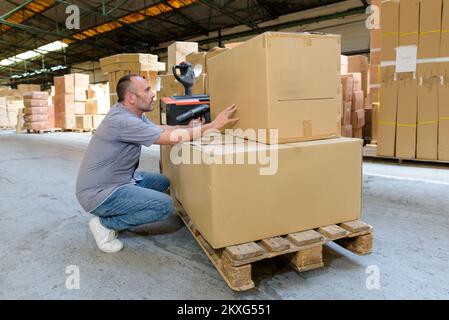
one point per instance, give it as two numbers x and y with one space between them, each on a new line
167 206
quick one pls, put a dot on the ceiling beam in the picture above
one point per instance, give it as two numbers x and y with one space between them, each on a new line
229 13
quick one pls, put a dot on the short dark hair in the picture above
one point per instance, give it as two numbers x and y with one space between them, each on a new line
123 85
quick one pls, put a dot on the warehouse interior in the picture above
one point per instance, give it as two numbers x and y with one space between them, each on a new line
386 162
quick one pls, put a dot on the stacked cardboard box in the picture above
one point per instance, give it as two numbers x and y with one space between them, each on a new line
10 105
303 102
97 104
120 65
38 114
65 101
25 88
4 120
356 101
414 51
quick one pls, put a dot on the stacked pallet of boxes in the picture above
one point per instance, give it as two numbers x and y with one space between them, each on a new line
83 120
413 93
11 104
355 95
305 176
37 113
120 65
64 102
97 103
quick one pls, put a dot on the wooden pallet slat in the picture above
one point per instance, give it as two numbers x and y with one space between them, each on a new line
244 251
305 237
355 226
275 244
333 232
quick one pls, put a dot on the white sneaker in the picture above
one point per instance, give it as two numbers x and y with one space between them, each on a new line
105 238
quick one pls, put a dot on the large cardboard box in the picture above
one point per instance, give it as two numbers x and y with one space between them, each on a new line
64 84
358 100
408 28
359 64
347 84
199 59
81 80
429 37
427 133
35 103
409 22
386 134
65 103
346 113
301 100
443 124
406 118
389 23
83 122
315 183
430 29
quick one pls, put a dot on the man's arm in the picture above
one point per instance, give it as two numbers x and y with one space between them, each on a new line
176 134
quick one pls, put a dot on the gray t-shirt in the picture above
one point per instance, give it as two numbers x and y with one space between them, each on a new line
113 155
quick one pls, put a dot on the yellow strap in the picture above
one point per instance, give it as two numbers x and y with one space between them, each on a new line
428 122
408 33
387 123
444 118
406 125
445 31
430 32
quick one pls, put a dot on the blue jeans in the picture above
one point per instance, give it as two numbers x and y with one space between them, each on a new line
133 205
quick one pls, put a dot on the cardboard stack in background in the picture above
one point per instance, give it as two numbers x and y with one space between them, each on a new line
145 65
355 95
411 118
65 101
38 114
97 103
302 101
11 102
182 52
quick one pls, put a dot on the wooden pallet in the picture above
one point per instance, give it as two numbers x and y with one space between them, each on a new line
370 151
79 130
303 250
6 127
51 130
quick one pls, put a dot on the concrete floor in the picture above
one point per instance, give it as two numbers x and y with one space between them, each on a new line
43 230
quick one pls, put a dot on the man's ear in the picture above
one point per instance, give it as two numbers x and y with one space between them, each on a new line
130 97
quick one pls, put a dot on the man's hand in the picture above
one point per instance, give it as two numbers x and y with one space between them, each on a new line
224 118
